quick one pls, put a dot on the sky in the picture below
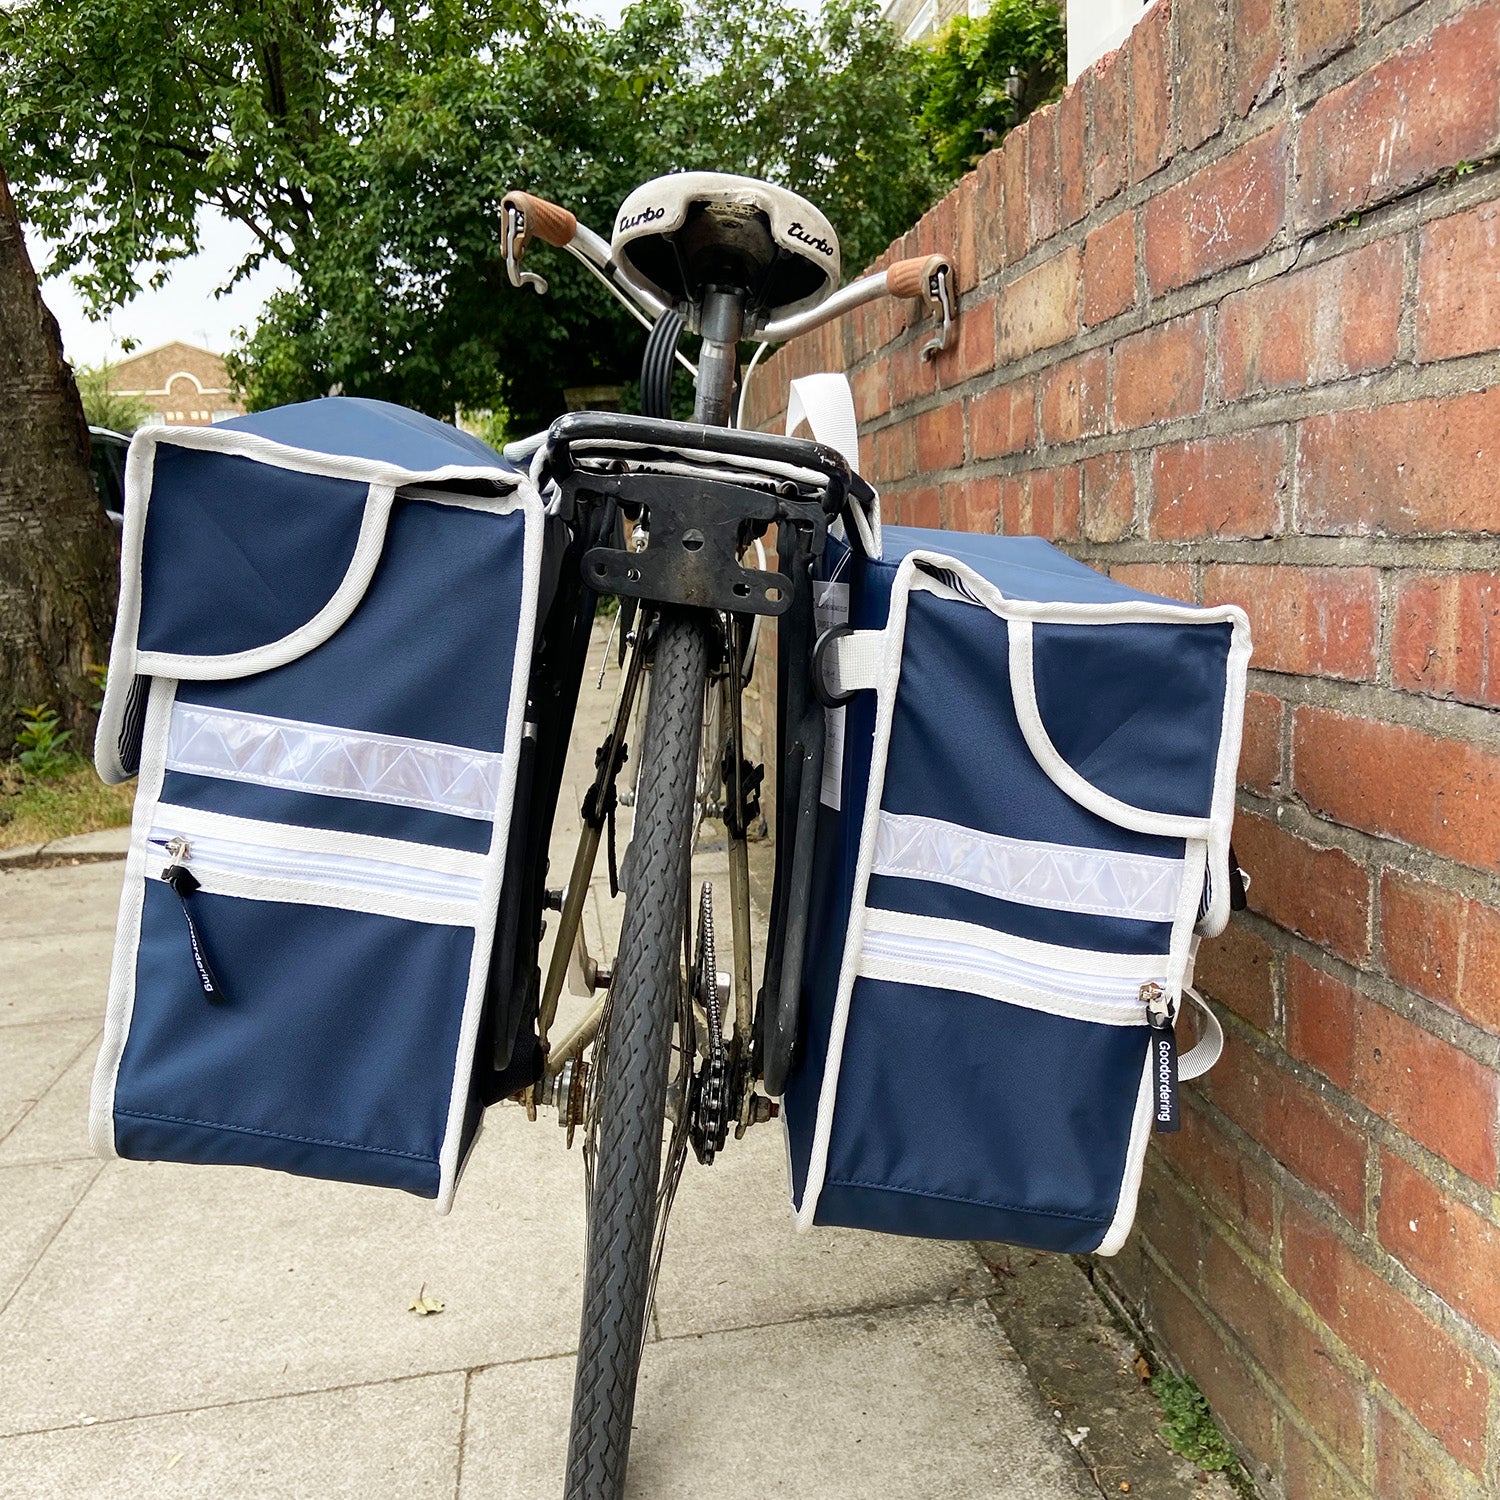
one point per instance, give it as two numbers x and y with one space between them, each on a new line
186 308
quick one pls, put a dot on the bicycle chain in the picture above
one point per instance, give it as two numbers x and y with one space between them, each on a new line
710 1114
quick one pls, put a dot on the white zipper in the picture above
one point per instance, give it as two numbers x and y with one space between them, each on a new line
204 854
956 960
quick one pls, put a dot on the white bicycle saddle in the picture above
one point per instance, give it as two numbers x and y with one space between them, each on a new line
678 234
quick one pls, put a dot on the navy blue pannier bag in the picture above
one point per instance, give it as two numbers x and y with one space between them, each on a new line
319 673
1024 833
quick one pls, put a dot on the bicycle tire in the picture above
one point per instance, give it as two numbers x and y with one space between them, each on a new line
632 1089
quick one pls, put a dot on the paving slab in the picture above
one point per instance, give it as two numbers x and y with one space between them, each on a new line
397 1441
174 1286
62 976
56 1127
32 1059
62 898
38 1200
904 1405
734 1258
103 841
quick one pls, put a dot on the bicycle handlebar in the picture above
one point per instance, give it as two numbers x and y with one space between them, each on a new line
548 222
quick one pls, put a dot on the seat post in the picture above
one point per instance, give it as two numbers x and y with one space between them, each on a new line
718 359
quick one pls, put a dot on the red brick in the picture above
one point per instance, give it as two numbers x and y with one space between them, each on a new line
1445 1388
1150 49
1307 1474
1313 1141
1239 1404
1225 213
1235 968
1479 975
1160 373
1255 53
1442 1242
1040 308
1175 1222
1422 1085
1260 749
940 437
1072 155
1108 497
1421 935
1320 893
1458 285
1409 1465
1325 323
912 377
989 215
974 352
1109 269
1042 175
1419 468
971 504
1109 105
1002 420
1220 1171
1053 504
895 456
1298 1359
1402 121
1201 61
872 390
1073 398
921 506
1316 622
1219 487
1439 794
1445 638
1017 204
965 242
1167 580
1321 29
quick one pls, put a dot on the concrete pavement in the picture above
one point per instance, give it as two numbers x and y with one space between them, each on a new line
173 1331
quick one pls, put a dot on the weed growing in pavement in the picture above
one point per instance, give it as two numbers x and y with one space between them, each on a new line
1189 1428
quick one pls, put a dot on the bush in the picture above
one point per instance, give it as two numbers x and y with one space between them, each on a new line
964 107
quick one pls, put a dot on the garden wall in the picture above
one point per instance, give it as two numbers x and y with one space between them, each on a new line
1231 312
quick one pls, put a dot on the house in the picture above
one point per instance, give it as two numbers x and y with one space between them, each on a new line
182 384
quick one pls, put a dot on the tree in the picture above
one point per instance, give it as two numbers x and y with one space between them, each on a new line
57 551
967 98
103 405
368 147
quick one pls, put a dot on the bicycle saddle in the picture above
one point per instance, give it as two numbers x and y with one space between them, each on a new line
677 235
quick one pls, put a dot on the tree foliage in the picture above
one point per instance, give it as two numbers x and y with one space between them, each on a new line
368 147
964 107
103 405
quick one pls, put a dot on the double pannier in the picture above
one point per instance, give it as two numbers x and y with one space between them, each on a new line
1024 832
320 674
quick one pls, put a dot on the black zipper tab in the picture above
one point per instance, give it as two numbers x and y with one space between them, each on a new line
183 883
1164 1112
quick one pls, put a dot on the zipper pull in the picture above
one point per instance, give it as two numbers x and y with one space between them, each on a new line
183 883
1165 1116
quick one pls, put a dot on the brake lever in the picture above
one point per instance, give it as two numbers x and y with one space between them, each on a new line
939 296
513 241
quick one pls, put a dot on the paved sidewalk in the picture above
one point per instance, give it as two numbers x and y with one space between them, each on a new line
170 1331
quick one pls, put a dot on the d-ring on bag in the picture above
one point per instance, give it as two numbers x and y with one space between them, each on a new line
320 672
1024 833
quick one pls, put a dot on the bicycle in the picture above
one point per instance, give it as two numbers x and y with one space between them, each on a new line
662 515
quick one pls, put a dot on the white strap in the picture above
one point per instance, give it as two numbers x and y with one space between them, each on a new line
1210 1044
854 662
826 403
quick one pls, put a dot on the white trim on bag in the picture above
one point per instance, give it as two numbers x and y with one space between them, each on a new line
1137 967
1059 877
296 755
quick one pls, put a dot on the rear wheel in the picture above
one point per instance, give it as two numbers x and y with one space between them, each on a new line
633 1063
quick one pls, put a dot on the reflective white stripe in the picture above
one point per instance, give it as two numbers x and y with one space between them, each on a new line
955 966
348 872
334 762
1062 877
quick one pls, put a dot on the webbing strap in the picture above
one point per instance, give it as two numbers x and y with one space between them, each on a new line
826 403
1210 1044
853 662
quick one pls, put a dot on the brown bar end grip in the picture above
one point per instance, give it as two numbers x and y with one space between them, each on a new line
910 278
546 221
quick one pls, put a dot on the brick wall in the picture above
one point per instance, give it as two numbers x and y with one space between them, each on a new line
1231 312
